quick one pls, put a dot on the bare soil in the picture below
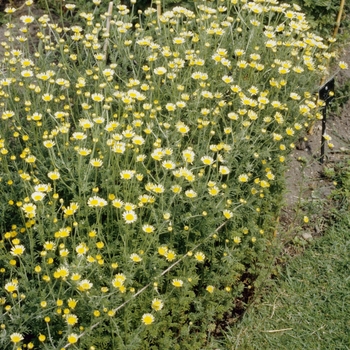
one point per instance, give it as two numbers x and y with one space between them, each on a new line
306 182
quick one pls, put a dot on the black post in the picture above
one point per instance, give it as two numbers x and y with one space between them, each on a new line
326 94
323 141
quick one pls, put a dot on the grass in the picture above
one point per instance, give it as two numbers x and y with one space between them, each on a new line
307 307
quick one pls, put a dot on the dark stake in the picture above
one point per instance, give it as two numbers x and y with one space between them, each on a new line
326 94
323 141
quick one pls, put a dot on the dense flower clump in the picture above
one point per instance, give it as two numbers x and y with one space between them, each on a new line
142 161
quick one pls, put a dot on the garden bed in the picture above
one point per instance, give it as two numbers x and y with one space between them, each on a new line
143 168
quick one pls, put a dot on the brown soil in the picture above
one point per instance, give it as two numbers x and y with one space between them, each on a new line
306 182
